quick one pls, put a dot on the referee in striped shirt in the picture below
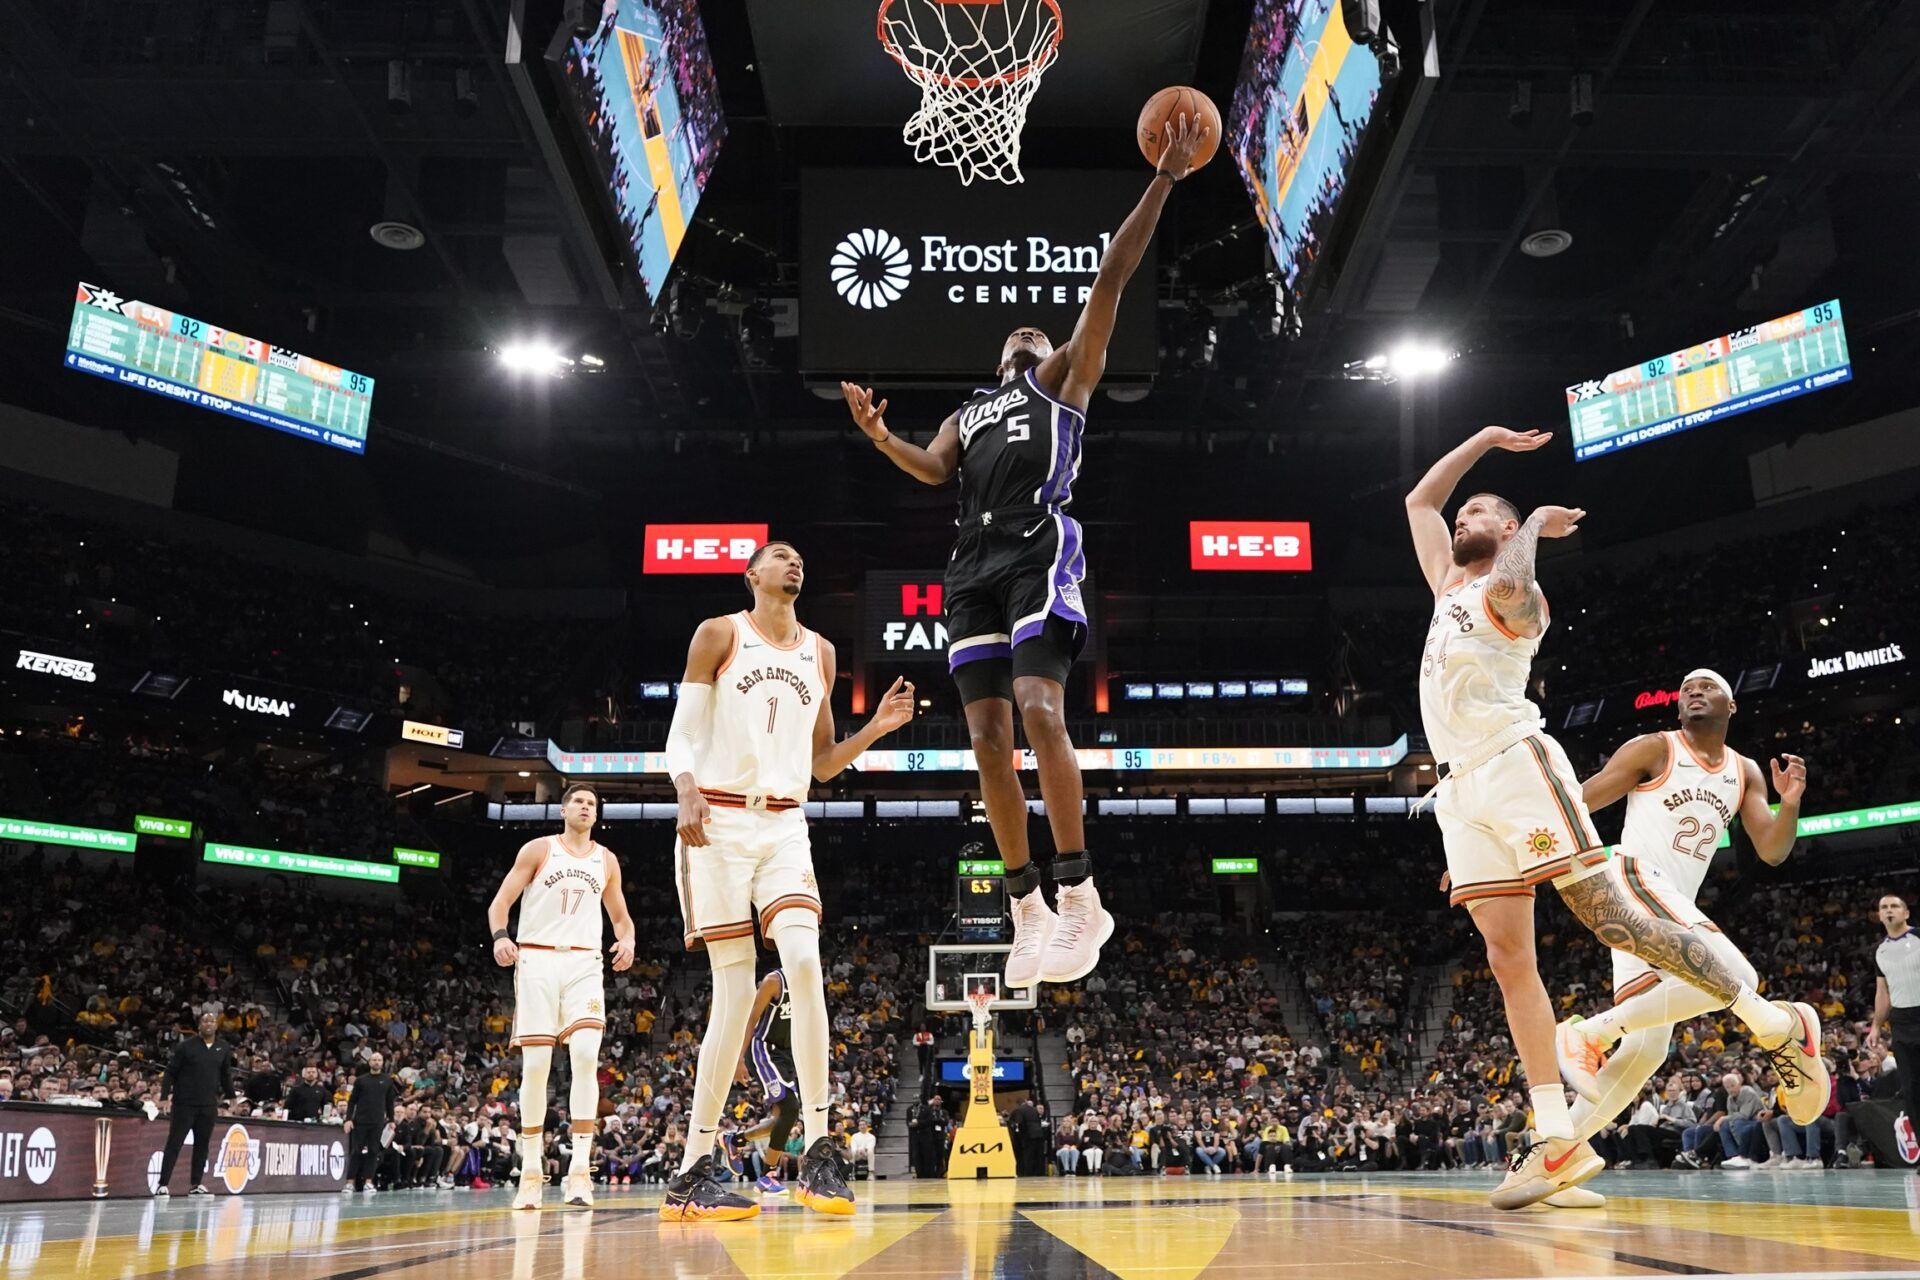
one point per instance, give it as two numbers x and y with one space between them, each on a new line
1896 997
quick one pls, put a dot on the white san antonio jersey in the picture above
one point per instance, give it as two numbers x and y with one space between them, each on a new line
561 906
1676 820
1473 672
765 702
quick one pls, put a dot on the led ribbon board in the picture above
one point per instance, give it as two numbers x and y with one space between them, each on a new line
1115 759
1751 368
138 344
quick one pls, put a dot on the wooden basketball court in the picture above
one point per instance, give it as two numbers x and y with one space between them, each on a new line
1753 1224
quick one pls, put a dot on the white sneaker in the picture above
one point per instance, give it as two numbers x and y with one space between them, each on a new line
1736 1162
1540 1169
1580 1057
1805 1083
1082 928
347 1190
1575 1198
162 1193
1033 925
579 1189
528 1196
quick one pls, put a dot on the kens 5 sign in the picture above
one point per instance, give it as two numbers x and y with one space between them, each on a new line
701 548
1251 544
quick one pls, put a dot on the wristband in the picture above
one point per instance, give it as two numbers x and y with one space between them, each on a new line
500 935
883 440
1167 174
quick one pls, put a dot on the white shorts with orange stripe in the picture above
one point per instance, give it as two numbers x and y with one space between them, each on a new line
758 864
1515 821
556 993
1644 883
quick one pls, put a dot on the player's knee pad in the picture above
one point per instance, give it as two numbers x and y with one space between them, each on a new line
796 936
536 1061
583 1048
729 953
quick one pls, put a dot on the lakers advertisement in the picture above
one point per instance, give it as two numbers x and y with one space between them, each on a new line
76 1153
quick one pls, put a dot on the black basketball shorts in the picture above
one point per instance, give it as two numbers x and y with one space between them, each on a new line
1013 602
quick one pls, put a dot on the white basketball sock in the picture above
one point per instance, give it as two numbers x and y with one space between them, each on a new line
732 963
536 1060
1550 1118
1633 1062
798 939
1668 1002
583 1099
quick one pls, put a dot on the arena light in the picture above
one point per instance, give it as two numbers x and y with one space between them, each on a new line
535 356
1417 359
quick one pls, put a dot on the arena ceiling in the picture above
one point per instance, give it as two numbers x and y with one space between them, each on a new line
229 159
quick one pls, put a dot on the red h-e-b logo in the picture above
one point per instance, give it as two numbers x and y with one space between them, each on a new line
701 548
917 598
1251 544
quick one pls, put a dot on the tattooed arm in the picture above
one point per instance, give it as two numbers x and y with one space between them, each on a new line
1511 590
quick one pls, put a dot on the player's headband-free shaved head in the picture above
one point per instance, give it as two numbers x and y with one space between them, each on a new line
1709 674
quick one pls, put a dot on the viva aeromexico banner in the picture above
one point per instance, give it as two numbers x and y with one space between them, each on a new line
73 1153
902 272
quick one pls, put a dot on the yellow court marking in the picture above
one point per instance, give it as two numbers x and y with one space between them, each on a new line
798 1244
1167 1243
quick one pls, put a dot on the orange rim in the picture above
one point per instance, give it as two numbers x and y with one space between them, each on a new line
969 82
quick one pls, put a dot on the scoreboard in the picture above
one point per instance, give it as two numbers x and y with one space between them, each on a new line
138 344
1748 369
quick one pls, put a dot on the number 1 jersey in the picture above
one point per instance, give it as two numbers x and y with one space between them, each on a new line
765 702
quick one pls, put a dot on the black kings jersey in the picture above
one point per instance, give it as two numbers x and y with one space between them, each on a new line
1018 447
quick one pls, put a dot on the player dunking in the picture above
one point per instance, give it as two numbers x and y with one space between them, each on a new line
561 882
1014 611
1510 811
1684 789
752 728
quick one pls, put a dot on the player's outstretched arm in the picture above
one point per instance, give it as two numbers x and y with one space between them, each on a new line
934 464
1642 758
829 756
1073 371
1432 542
1773 831
615 897
525 866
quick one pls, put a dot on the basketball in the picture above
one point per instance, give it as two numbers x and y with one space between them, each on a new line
1163 108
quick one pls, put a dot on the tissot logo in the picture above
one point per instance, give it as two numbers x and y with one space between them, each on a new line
259 705
53 665
870 268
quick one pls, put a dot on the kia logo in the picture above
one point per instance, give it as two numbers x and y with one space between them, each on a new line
870 268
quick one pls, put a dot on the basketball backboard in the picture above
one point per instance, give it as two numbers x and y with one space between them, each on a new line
954 970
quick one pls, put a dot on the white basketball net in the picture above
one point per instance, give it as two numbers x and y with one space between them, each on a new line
978 65
982 1002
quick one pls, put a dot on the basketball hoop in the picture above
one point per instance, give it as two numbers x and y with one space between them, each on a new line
982 1004
978 64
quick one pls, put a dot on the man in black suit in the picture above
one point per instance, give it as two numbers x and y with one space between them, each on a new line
1021 1123
369 1110
199 1077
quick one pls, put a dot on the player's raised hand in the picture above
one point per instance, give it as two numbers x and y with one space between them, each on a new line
1790 780
1559 522
1184 137
896 705
1514 441
505 953
693 819
622 954
868 416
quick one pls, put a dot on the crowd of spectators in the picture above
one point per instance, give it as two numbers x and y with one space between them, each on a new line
109 967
